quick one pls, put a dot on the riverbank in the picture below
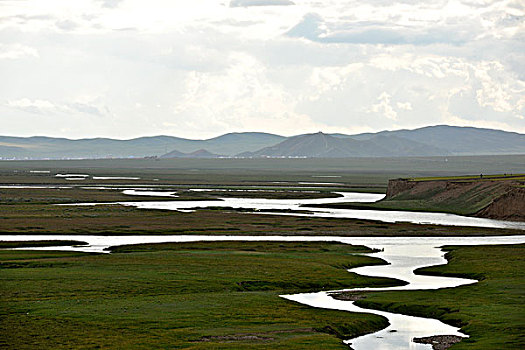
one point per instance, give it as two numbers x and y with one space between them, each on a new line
493 197
490 196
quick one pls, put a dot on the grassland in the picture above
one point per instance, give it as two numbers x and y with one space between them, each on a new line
224 295
264 178
240 170
119 220
221 295
43 243
28 210
95 194
490 312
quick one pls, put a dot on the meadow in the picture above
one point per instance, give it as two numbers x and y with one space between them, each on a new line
190 295
231 170
226 294
28 210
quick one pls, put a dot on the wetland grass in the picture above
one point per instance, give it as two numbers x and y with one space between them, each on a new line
186 295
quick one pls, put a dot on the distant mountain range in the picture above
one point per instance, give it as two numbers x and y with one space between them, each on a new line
60 148
201 153
321 145
441 140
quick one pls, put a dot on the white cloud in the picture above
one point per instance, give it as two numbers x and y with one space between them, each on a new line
497 90
17 51
110 3
66 25
315 28
247 3
33 106
383 107
241 98
326 79
49 108
407 106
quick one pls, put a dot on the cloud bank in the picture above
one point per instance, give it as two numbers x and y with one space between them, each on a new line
124 68
247 3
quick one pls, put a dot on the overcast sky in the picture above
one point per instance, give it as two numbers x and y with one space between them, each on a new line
199 68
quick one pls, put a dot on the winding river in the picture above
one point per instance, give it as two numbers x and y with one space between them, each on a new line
298 208
403 256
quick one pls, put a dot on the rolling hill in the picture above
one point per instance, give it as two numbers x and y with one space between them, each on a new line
202 153
320 145
459 140
60 148
441 140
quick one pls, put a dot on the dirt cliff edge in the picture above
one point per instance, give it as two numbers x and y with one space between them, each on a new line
509 206
503 200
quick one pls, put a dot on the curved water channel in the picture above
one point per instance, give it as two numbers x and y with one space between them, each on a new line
403 256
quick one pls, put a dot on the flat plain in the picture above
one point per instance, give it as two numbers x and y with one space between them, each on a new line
195 295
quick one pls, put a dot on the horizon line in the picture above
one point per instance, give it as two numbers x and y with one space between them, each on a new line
258 132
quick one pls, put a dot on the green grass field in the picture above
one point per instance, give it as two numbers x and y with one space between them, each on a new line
194 295
218 295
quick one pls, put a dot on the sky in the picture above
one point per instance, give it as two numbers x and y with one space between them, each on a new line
202 68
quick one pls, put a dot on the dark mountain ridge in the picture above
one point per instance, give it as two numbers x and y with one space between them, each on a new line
440 140
42 147
201 153
459 140
320 145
